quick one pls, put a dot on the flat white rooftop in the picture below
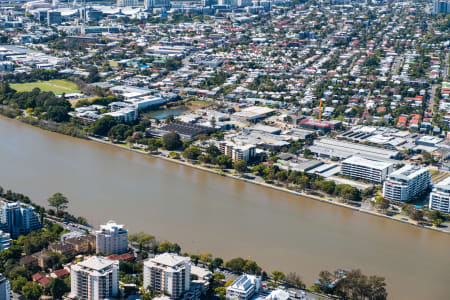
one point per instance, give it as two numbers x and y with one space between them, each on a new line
96 263
367 162
169 259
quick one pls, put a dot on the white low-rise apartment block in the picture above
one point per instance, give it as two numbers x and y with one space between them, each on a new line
406 183
440 196
95 278
243 288
372 170
234 150
112 239
168 272
237 152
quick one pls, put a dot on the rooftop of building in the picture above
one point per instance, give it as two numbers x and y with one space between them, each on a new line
244 282
169 259
368 162
111 226
445 183
96 263
407 172
185 128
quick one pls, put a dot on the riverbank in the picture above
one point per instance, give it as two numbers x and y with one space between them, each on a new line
271 186
335 202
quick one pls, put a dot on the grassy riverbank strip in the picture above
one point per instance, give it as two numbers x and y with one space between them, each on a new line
267 185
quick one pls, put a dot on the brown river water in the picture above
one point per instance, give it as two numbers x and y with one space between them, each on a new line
205 212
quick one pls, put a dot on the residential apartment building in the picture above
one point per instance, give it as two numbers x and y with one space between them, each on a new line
112 239
168 272
18 219
441 7
5 240
237 152
244 287
365 168
229 148
440 196
95 278
406 183
5 288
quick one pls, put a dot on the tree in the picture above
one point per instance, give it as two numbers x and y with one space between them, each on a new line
58 114
206 257
278 276
18 283
224 161
240 166
58 201
328 186
192 153
103 125
153 145
32 291
213 150
58 288
220 292
195 259
217 262
235 264
93 75
377 288
436 217
259 170
119 132
146 241
356 285
251 267
381 202
169 247
218 277
295 280
172 141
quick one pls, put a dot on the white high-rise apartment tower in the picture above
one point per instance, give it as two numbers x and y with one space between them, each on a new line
168 272
406 183
95 278
112 239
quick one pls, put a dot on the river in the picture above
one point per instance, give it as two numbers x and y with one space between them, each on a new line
205 212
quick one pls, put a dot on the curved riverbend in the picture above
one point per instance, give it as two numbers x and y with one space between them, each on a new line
205 212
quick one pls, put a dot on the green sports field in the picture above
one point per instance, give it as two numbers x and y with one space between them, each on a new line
57 86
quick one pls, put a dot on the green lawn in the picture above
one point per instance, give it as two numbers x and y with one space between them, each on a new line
57 86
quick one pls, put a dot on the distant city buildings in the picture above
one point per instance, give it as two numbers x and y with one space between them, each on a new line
18 219
169 273
150 4
244 288
406 183
126 3
53 18
440 196
112 239
5 288
95 278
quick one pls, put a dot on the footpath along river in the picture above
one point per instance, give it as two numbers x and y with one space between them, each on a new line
205 212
